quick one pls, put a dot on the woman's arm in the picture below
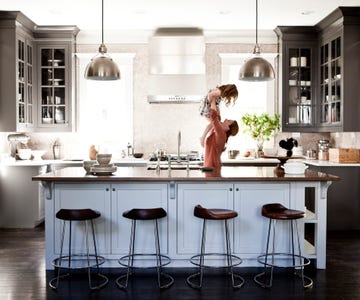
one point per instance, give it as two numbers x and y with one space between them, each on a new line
202 138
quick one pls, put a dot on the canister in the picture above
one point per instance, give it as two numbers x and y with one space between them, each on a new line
323 147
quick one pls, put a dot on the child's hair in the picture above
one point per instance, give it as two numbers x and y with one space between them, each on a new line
228 92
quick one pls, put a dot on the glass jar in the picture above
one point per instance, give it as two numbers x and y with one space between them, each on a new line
323 147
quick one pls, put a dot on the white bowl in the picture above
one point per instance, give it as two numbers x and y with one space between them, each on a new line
103 159
295 167
87 164
37 154
24 153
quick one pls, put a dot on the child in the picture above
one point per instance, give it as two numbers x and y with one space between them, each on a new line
228 93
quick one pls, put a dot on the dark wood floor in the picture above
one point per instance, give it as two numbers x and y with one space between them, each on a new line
23 276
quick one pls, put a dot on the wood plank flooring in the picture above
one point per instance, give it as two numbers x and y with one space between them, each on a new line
23 276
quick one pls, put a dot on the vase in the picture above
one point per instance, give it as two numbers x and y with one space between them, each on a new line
260 149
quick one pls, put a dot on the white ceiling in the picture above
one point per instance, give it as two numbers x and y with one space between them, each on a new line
151 14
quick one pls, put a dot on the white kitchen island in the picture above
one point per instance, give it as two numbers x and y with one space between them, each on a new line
244 189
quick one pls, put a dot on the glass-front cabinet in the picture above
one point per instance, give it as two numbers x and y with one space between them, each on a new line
330 82
25 107
55 95
300 96
297 63
53 86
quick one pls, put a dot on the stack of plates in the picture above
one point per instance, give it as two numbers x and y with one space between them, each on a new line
103 169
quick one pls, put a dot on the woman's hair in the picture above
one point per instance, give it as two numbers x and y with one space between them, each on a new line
228 92
233 129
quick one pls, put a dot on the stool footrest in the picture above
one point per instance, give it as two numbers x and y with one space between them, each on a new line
124 260
236 277
283 257
53 283
167 277
307 281
235 260
78 261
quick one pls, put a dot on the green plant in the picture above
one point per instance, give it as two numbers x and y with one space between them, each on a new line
260 127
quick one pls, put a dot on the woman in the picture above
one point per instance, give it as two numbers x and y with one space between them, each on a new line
215 137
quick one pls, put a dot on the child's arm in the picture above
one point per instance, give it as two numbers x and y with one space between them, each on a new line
213 95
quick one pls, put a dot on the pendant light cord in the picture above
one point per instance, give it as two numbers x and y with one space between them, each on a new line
102 22
256 22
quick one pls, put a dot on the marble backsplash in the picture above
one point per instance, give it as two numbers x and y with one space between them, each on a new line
72 145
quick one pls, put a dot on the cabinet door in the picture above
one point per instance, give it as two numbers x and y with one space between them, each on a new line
330 83
54 112
251 227
299 87
189 227
24 94
138 195
78 196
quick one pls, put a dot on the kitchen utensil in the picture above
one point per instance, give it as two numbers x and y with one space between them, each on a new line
138 155
233 153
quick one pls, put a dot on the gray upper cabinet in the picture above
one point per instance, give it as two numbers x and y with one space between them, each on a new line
298 62
320 68
55 88
36 75
339 69
17 85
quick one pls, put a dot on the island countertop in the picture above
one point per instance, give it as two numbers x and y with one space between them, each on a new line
123 174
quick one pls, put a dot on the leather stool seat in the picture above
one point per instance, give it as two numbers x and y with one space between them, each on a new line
214 213
77 214
279 212
145 213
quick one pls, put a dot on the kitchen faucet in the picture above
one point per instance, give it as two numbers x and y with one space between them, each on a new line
178 148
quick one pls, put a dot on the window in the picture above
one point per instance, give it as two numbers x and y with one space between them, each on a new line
254 97
105 111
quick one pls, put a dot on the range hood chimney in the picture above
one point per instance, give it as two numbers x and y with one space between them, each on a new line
176 65
177 51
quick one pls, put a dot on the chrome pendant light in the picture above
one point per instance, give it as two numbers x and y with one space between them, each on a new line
256 68
102 67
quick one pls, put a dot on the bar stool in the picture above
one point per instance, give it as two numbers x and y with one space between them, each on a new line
78 261
274 212
199 259
161 260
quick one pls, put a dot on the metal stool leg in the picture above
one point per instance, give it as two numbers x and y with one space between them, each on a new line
130 258
229 259
304 278
159 260
96 258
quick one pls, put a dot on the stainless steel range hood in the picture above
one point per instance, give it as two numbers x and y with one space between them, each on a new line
177 51
176 65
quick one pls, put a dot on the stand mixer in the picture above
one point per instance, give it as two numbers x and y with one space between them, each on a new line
15 139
